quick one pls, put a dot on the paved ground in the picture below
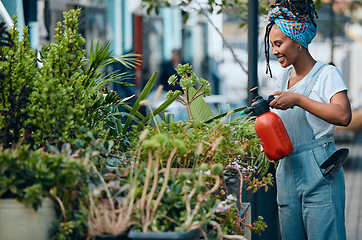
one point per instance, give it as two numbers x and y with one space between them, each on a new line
353 179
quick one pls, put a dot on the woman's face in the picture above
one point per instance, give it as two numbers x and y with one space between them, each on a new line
283 47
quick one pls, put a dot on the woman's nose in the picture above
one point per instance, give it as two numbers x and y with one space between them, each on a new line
274 51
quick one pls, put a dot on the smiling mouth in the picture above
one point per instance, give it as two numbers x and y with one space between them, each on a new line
280 59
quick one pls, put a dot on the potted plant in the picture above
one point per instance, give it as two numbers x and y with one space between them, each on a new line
33 178
234 145
111 207
209 144
170 207
43 104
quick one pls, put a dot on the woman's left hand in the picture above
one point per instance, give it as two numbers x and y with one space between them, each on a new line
284 100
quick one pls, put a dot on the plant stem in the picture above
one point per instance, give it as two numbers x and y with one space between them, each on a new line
147 180
181 100
198 90
241 184
153 189
188 198
200 199
196 96
61 207
187 103
105 185
165 182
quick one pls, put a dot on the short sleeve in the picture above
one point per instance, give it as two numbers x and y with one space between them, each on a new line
329 83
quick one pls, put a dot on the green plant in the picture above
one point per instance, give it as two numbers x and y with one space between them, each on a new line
111 206
29 176
93 151
103 113
188 80
59 93
135 115
169 200
172 203
109 110
192 99
193 145
46 101
16 83
209 143
204 143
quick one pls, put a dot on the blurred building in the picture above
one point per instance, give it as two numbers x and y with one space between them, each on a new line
129 29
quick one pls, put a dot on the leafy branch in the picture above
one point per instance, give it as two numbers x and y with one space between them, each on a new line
188 80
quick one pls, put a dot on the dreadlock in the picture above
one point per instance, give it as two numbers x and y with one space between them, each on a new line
300 8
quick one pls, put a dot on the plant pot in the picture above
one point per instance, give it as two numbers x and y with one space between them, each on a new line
190 235
247 209
233 187
122 236
19 222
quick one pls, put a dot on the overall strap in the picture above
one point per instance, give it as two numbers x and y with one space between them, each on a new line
311 83
313 80
311 144
295 121
286 78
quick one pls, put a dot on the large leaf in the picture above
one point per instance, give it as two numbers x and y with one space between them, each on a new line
146 90
200 111
160 109
129 108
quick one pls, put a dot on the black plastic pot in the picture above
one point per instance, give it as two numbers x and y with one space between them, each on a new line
122 236
191 235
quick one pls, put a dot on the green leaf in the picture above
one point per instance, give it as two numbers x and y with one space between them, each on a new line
169 117
130 60
160 109
146 90
157 120
263 166
129 108
200 111
224 114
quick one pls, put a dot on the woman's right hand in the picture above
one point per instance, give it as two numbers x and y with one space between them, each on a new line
284 100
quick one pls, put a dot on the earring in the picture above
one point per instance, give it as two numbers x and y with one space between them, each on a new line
299 48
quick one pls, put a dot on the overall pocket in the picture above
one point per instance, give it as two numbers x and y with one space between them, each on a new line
318 189
282 179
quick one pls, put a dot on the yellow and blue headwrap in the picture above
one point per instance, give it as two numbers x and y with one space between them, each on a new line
300 29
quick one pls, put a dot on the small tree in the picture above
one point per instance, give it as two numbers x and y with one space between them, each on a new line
17 80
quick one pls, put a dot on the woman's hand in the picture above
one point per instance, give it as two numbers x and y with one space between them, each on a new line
337 112
284 100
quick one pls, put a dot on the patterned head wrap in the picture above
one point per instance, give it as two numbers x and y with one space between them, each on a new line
300 29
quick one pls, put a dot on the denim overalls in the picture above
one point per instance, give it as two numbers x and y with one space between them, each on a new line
310 206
